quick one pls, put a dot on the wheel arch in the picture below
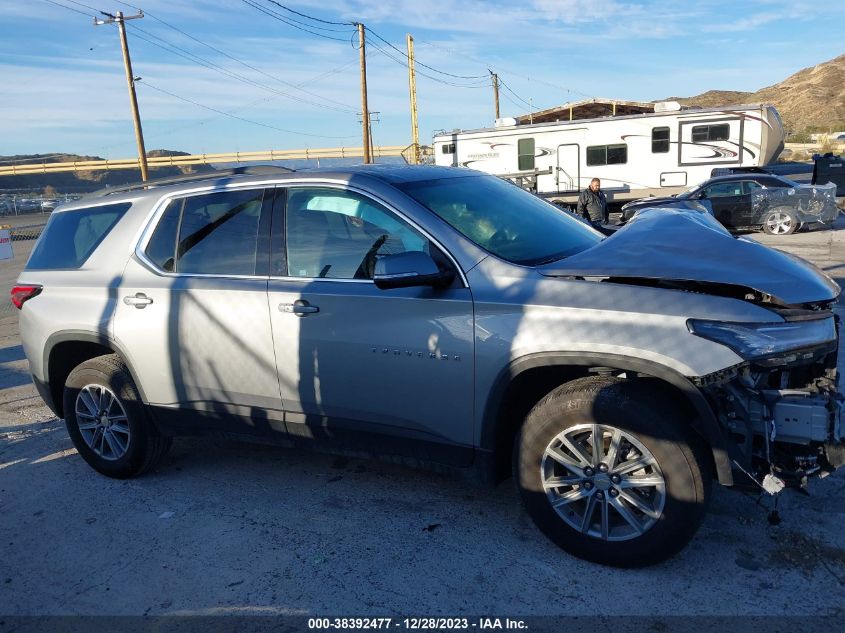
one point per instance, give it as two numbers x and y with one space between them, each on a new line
66 350
525 381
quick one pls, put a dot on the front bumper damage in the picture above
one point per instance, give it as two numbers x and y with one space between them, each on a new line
784 416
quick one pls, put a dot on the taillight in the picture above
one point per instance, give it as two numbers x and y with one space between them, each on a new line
21 293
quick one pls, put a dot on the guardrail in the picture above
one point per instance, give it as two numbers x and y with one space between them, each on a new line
812 147
201 159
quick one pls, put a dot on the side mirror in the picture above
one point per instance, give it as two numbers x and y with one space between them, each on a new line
405 270
702 195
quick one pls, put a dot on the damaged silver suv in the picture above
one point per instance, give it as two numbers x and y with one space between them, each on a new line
448 319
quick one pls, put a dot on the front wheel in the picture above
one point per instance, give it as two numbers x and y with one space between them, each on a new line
780 222
611 475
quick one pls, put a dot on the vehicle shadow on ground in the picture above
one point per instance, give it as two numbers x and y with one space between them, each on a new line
248 526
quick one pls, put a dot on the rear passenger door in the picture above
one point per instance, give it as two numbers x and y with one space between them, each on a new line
192 313
388 370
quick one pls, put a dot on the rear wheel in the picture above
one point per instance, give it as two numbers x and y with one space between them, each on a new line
611 475
107 421
780 221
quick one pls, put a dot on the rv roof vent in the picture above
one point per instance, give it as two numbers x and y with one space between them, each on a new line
667 106
507 121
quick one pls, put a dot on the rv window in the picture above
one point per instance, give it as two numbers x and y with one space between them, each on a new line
659 140
525 149
448 148
617 154
607 155
704 133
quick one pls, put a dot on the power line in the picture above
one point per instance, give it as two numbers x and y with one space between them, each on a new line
234 116
242 63
506 87
277 16
240 108
509 71
310 17
419 63
419 72
64 6
87 6
181 52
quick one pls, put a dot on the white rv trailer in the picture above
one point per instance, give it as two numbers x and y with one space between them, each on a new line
635 156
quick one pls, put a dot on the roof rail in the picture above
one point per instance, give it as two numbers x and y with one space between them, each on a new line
255 170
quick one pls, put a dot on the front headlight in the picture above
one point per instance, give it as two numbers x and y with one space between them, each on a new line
756 340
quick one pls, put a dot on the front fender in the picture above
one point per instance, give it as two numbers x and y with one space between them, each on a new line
705 422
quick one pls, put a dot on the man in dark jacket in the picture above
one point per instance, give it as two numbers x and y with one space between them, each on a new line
592 204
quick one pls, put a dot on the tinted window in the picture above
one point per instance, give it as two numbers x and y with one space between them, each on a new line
704 133
722 189
161 248
750 185
607 155
71 236
337 234
503 219
525 149
659 140
219 233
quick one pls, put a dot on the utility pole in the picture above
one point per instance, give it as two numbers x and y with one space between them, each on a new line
495 78
412 87
119 19
365 113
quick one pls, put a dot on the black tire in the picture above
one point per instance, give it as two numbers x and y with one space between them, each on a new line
780 221
144 446
659 427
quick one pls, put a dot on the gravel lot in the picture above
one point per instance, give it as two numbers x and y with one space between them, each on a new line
226 528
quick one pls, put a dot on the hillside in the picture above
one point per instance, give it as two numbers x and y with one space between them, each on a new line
811 98
85 181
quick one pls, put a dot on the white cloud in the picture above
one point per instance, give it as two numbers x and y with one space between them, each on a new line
744 24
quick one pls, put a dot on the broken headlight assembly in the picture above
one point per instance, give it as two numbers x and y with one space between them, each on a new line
755 341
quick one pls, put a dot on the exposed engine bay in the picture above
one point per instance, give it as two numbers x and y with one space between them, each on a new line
783 413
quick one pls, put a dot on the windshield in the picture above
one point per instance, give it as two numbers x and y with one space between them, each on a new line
503 219
689 191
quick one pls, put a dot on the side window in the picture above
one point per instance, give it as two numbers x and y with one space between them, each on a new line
337 234
705 133
70 237
659 140
598 155
525 151
749 186
161 249
447 148
723 189
212 234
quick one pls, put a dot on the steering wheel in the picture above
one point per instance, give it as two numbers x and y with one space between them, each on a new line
500 239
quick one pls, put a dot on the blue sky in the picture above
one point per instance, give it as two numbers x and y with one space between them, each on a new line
63 87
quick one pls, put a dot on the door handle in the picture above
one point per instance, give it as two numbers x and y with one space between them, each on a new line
300 308
140 300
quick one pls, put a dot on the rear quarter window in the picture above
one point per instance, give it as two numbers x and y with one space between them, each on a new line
70 237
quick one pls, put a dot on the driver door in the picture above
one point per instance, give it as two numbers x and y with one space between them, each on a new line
356 363
726 198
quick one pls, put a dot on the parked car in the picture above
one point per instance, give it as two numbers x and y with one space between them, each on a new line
756 201
446 318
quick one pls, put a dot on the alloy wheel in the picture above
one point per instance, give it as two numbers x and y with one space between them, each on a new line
779 223
102 422
603 482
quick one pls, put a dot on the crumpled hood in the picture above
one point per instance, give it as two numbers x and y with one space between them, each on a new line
673 244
